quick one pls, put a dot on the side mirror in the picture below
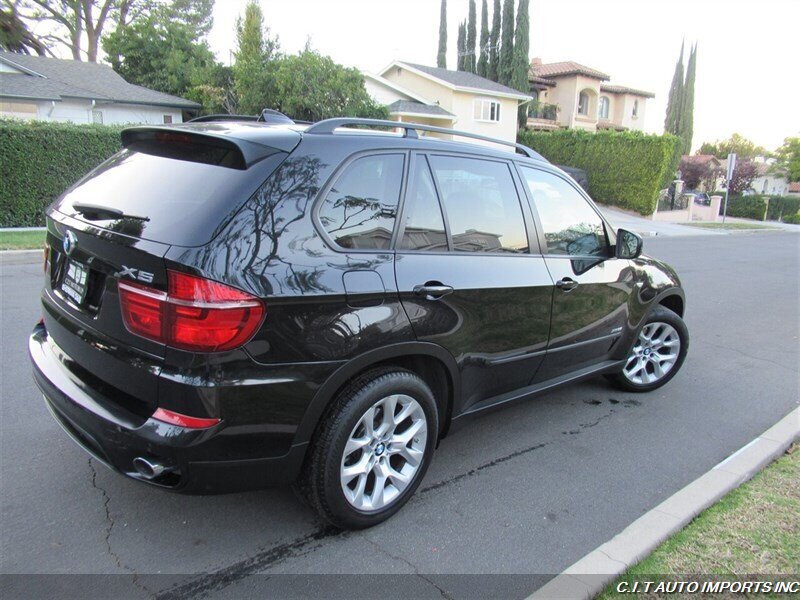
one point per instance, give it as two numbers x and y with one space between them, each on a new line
629 244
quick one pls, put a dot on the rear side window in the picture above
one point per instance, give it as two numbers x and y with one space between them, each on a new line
481 203
360 209
571 226
424 225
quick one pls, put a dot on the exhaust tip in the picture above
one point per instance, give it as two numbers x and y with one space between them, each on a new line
149 469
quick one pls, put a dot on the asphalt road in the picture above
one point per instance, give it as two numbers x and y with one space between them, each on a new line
526 490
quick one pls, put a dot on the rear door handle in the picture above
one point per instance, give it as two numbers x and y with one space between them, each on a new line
433 290
567 284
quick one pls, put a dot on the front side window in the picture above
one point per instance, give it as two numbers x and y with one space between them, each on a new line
603 107
424 226
167 119
97 117
481 204
571 226
359 210
583 103
487 110
635 112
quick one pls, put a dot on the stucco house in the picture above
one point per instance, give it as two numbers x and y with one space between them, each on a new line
453 99
769 182
54 89
570 95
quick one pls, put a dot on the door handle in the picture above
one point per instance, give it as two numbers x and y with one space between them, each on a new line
433 290
566 284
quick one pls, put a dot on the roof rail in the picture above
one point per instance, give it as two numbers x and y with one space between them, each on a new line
328 126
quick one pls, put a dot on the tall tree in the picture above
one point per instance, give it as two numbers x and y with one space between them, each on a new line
687 103
494 44
737 143
461 64
165 49
675 100
788 159
507 43
310 86
76 25
441 56
483 50
471 62
521 62
254 53
15 35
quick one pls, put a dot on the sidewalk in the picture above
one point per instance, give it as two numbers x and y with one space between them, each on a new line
646 227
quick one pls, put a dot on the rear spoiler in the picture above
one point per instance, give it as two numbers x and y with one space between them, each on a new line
225 145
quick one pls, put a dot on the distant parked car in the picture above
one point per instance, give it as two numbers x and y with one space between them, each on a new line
698 197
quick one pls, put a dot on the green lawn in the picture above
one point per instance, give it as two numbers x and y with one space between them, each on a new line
731 225
754 529
21 240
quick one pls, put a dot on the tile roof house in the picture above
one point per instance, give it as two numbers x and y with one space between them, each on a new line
571 95
453 99
54 89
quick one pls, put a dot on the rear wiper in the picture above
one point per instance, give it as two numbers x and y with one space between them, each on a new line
95 211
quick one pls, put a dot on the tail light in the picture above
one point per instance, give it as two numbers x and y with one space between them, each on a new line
195 314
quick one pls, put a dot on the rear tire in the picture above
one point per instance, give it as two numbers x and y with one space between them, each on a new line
371 450
657 353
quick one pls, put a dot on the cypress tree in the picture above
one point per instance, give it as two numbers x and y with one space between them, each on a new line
483 52
675 100
494 44
441 56
520 63
507 43
687 103
471 62
462 47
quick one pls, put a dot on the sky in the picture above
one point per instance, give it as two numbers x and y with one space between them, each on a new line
747 50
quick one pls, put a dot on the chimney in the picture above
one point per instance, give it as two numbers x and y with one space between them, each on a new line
536 62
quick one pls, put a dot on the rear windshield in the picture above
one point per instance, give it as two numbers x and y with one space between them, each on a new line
165 199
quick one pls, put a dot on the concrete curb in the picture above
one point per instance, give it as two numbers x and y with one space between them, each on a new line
591 574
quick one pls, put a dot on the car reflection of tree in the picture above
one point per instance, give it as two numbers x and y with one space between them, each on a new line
581 239
353 213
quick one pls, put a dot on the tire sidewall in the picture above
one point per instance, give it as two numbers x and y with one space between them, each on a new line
396 382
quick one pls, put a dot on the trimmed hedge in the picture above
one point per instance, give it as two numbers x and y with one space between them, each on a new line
781 208
40 160
626 168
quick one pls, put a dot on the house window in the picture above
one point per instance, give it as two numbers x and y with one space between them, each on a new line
583 103
167 119
635 112
97 117
487 110
602 111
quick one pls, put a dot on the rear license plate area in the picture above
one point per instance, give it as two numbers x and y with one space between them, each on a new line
76 282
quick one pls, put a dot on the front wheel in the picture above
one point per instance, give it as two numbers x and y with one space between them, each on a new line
372 450
656 355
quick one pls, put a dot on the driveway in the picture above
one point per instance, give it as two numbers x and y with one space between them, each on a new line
519 494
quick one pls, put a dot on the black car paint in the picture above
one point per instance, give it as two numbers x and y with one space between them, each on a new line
331 314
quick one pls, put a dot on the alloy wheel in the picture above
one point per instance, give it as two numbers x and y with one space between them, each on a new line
383 453
654 354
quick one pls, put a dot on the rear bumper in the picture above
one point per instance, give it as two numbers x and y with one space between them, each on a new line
115 436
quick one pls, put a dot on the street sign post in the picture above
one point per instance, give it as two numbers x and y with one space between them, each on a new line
729 176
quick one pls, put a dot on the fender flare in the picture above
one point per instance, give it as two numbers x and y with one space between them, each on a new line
362 362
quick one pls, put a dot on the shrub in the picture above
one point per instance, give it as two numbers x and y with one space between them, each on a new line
794 219
40 160
782 207
626 169
745 207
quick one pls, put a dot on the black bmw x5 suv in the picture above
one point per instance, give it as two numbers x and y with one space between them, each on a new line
229 305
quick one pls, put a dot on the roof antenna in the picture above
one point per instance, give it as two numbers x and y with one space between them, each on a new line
269 115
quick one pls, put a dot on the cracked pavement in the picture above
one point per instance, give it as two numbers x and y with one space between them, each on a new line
526 490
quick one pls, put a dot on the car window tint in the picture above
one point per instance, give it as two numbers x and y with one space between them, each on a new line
571 226
481 204
359 210
424 225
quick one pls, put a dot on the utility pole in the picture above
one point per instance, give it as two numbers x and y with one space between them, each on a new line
731 167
